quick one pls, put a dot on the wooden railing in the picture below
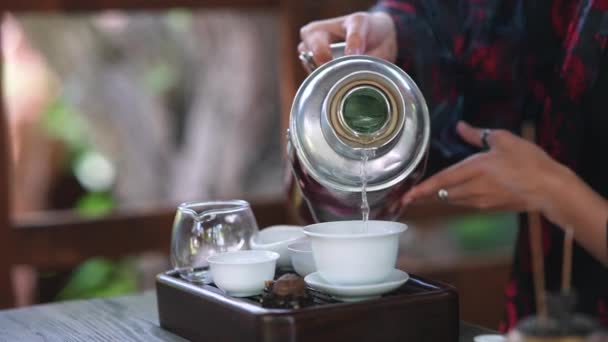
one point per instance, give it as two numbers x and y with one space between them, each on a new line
68 6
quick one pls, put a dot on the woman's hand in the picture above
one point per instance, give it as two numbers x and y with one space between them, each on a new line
365 33
516 175
513 174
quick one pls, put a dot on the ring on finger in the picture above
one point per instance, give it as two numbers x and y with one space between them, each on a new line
443 194
484 138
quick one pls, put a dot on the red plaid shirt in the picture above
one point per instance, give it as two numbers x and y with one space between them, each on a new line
497 63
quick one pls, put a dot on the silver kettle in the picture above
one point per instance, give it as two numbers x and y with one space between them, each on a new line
355 120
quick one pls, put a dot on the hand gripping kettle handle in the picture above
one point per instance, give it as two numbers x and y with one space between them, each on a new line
337 50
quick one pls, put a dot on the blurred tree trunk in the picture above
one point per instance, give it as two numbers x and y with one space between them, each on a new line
234 108
184 106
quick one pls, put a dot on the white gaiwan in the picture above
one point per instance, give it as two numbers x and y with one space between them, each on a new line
276 239
348 253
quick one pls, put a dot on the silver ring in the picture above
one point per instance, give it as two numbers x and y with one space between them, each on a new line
484 138
443 194
307 61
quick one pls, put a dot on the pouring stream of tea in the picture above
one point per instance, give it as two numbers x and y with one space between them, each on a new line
363 174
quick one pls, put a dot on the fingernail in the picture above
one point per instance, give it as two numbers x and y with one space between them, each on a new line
354 51
463 124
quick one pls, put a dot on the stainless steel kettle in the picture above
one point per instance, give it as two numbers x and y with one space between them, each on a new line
348 108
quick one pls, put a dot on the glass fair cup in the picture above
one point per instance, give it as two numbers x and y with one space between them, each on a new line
202 229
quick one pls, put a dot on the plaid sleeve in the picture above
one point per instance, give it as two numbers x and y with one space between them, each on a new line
408 24
466 57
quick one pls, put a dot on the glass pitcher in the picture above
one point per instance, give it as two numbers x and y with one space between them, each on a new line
201 229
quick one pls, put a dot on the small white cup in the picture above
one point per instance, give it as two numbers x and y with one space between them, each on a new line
347 253
276 239
243 273
301 258
490 338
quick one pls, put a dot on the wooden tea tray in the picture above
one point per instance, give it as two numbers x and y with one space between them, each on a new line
421 310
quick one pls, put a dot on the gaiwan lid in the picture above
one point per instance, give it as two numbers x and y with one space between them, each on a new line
356 105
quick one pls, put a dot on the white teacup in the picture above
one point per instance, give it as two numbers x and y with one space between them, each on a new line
276 239
243 273
348 253
301 258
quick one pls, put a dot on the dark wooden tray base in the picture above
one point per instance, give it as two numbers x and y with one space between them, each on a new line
419 311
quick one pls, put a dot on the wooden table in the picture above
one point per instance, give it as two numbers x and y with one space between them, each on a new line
132 318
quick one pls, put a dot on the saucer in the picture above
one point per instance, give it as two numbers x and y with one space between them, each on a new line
354 293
